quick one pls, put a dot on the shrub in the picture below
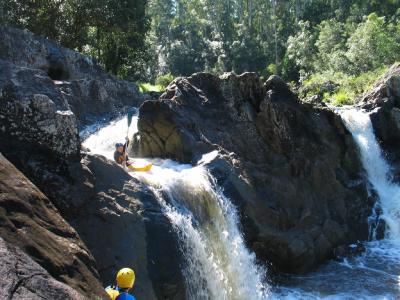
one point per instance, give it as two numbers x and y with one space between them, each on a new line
148 87
342 97
164 80
347 87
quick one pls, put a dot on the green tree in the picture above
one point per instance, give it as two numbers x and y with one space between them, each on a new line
372 45
113 31
301 48
331 46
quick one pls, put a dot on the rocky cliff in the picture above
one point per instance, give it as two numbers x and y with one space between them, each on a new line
123 225
73 81
67 229
291 168
110 221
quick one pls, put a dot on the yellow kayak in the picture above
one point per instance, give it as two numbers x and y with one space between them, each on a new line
140 167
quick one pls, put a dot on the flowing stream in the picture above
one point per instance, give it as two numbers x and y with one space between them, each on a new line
378 170
219 266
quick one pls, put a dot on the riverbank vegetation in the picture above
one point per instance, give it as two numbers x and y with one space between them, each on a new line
344 44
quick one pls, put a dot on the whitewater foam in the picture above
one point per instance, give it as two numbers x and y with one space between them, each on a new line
378 170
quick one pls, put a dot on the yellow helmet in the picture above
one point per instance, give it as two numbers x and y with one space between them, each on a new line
125 278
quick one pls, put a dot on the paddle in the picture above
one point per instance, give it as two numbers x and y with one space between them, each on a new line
130 117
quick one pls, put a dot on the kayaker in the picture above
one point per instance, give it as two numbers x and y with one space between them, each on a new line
122 158
120 155
125 281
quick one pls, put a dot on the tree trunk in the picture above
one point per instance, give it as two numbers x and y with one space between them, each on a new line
275 33
250 13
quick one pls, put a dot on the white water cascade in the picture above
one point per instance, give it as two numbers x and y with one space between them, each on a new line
378 170
218 264
375 274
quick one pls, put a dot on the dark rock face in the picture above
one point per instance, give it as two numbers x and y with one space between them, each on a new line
40 112
123 225
34 115
23 278
27 50
46 93
291 168
384 103
118 219
65 75
90 98
31 222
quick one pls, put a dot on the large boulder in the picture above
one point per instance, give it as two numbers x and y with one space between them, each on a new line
23 278
90 92
291 168
23 48
34 115
118 219
130 230
30 222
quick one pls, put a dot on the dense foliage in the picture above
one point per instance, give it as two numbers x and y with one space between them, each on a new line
111 30
291 37
302 40
348 55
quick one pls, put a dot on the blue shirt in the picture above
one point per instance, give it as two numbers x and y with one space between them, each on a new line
122 296
125 296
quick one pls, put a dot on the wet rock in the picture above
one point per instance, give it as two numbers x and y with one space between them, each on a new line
292 169
164 139
30 222
377 224
345 251
379 229
119 220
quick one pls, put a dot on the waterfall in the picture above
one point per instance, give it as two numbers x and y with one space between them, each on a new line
375 273
377 168
219 266
103 141
217 263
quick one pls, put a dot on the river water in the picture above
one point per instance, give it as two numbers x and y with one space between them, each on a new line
218 264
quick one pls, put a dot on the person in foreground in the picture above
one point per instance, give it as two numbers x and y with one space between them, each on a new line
125 281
